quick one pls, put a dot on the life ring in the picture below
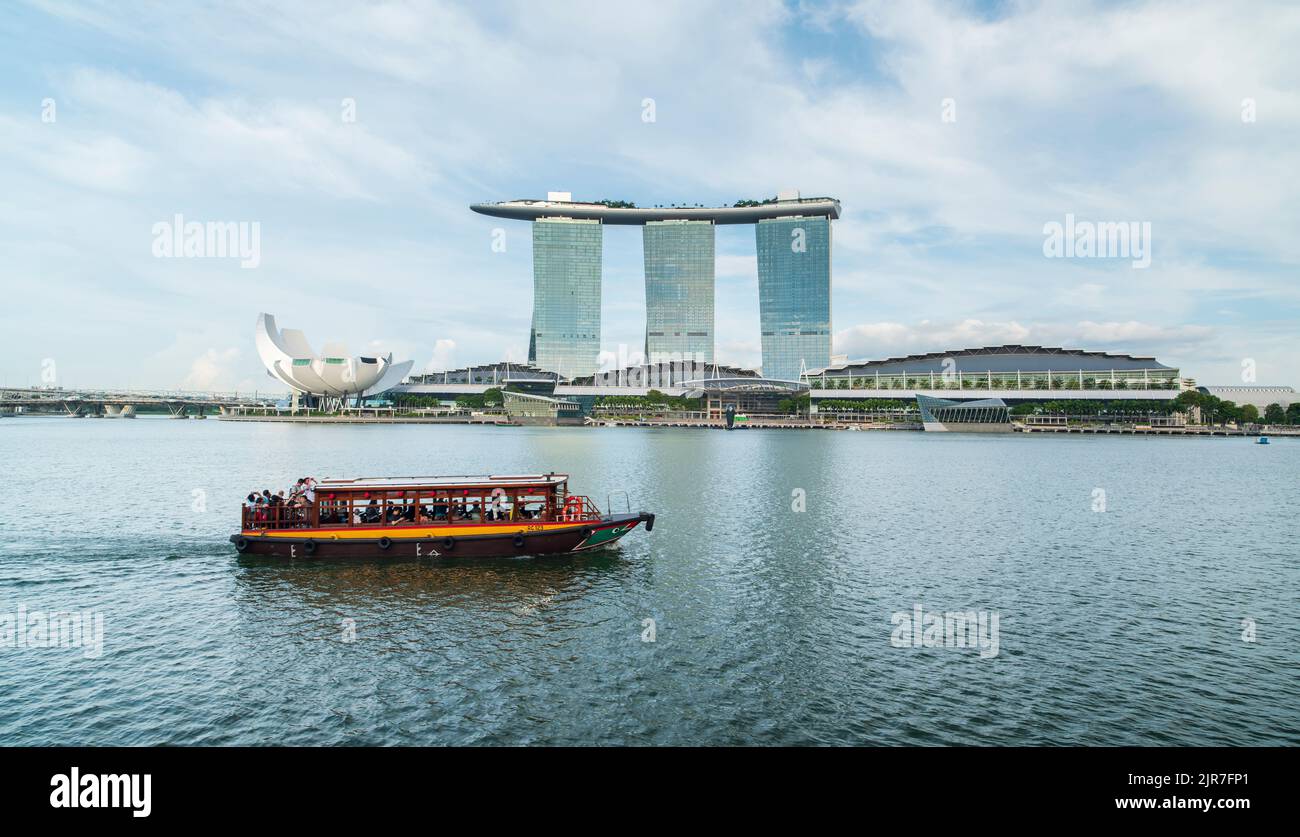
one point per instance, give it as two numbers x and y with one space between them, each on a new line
573 508
385 542
449 543
309 547
241 544
519 541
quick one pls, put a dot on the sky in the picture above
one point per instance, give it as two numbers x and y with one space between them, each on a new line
355 136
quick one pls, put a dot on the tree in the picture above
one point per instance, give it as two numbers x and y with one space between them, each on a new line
1224 411
1249 413
1188 400
1274 414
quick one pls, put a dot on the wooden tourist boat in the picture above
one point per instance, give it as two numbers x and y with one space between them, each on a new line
427 517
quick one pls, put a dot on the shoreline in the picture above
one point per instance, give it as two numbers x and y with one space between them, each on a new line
1195 431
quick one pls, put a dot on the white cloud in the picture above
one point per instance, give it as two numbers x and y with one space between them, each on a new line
1112 112
444 353
212 370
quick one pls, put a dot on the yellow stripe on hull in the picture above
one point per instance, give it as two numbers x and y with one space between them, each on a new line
396 532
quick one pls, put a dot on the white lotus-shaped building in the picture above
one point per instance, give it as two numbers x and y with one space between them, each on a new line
333 374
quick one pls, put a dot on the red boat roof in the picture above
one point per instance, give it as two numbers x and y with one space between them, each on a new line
453 481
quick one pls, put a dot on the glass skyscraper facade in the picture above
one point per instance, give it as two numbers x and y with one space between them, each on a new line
679 290
794 294
565 335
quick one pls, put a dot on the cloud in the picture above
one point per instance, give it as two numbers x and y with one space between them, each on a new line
444 352
1111 112
211 370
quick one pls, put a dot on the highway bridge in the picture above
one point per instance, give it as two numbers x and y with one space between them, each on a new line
124 402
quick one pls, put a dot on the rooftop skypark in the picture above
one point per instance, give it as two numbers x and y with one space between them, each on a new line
793 246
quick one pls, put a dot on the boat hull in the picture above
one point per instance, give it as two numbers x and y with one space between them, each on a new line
456 541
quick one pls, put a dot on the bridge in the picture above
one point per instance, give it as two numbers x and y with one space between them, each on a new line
124 402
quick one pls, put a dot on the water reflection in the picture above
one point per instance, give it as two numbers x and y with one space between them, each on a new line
772 623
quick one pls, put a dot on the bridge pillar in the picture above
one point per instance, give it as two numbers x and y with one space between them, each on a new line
176 409
73 410
127 410
113 410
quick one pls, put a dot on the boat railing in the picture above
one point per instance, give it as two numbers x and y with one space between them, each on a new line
575 507
579 507
277 517
609 502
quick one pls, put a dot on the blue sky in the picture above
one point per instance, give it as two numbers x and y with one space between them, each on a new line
233 112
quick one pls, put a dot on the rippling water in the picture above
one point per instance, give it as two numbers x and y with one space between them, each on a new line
771 626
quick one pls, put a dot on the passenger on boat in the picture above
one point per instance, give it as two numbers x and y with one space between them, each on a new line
372 514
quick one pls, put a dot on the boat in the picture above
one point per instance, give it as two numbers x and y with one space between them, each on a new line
484 516
1262 440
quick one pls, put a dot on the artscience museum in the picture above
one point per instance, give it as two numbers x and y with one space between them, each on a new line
327 379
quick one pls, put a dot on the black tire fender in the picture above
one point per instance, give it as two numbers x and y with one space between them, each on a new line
519 541
241 545
309 547
587 532
385 542
449 543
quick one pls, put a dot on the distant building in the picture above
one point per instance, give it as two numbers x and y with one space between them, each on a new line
793 238
1260 396
532 409
988 415
331 376
744 394
489 374
565 334
679 259
794 294
1010 371
662 376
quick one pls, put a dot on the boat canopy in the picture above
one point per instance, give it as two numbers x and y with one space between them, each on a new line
455 481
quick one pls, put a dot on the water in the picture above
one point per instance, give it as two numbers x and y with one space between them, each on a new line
771 626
